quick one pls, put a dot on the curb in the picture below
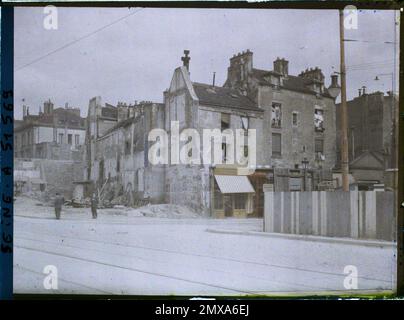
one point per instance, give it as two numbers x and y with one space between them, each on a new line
368 243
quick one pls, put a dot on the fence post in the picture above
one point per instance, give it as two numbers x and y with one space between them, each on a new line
315 224
323 207
370 212
269 211
354 210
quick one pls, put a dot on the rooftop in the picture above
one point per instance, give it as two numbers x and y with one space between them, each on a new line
293 83
223 97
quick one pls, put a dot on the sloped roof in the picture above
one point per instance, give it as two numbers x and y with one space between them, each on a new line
368 159
223 97
293 83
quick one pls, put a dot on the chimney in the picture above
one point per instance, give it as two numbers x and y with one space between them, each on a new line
363 90
48 107
359 92
185 59
241 65
281 66
334 80
214 76
313 74
24 111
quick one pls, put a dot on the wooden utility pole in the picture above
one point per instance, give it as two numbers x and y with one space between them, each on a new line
344 111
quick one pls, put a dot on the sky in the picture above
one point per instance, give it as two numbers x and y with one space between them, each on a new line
128 54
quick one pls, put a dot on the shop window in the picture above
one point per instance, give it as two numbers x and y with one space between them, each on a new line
218 201
70 139
240 201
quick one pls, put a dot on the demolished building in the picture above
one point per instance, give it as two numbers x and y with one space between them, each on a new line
117 148
293 118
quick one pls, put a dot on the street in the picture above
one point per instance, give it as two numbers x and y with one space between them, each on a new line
127 253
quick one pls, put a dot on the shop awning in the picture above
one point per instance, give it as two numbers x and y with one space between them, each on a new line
234 184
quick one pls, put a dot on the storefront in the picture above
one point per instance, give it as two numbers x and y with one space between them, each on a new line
232 195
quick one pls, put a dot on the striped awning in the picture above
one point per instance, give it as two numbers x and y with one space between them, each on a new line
234 184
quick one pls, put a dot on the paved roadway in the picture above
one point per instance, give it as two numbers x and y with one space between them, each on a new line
142 256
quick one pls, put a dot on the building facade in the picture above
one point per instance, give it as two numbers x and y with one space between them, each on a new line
371 138
55 133
292 117
117 152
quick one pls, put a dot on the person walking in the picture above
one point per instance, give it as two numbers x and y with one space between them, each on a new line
94 205
59 200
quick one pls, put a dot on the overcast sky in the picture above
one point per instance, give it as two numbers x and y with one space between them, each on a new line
134 59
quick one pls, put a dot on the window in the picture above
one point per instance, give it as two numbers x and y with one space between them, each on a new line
218 200
318 120
76 139
276 115
319 146
69 138
244 123
224 152
240 201
118 163
245 151
60 138
276 144
127 147
218 197
294 118
225 121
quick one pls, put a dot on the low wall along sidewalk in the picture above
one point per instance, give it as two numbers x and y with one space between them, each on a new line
353 214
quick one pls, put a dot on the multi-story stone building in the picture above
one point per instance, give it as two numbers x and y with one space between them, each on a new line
371 138
293 118
117 149
299 112
48 154
56 134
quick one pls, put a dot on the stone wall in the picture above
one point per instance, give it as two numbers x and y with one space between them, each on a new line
298 141
57 175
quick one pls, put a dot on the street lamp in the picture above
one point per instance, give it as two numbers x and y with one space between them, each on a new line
334 89
305 163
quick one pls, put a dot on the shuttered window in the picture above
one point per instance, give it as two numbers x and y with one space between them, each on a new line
276 144
319 145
